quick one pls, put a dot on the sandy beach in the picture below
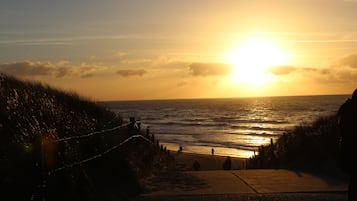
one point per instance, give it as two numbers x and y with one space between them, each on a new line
185 161
182 180
211 182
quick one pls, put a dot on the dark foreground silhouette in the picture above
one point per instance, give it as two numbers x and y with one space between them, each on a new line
51 147
348 132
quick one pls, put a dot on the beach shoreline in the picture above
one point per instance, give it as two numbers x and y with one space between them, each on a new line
207 150
185 161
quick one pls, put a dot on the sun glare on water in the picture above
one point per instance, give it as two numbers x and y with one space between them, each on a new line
252 59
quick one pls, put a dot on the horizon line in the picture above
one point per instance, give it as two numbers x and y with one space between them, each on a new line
207 98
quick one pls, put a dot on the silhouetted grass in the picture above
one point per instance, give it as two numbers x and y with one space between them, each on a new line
310 146
32 113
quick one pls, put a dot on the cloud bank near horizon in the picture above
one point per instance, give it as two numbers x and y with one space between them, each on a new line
40 69
343 70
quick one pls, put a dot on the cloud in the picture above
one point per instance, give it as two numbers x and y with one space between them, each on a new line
136 61
180 84
67 40
76 71
120 54
344 70
336 73
210 69
342 74
350 60
28 68
129 73
59 70
286 70
282 70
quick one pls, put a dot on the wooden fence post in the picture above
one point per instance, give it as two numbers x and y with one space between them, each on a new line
42 166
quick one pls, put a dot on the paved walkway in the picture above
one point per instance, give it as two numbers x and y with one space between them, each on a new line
245 184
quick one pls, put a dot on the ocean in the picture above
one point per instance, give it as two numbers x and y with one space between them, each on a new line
232 126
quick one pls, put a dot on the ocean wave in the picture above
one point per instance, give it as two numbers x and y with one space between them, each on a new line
241 123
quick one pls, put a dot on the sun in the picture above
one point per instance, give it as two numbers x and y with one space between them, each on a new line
252 58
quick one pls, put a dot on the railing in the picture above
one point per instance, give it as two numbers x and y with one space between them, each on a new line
48 172
95 156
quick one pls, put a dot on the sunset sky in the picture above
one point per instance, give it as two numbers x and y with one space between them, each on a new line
162 49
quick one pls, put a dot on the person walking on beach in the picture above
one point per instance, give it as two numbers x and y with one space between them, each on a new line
347 121
227 165
196 165
147 131
180 149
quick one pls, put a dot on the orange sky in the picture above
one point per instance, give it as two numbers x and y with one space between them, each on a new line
124 50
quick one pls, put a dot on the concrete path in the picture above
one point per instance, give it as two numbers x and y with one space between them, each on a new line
286 181
259 182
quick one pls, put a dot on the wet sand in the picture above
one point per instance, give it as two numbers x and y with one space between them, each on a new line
185 161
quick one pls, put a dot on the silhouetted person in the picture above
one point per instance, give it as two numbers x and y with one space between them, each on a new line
227 165
180 149
196 165
212 151
348 132
148 131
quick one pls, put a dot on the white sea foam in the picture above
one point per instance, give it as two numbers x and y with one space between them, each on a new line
235 127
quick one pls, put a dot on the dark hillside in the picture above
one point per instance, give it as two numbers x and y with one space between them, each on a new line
29 108
310 146
42 155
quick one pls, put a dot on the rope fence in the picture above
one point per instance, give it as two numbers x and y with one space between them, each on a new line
93 133
98 155
48 172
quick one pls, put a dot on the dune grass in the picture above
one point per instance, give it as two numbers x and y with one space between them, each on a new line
310 146
33 116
